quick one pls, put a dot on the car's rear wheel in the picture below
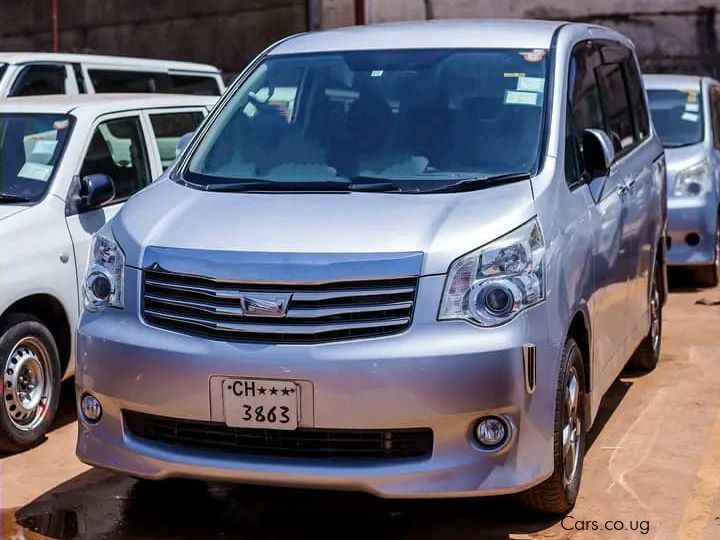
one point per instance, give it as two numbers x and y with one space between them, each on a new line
558 494
647 355
31 382
709 276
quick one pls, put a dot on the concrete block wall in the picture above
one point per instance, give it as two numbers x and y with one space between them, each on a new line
227 33
670 35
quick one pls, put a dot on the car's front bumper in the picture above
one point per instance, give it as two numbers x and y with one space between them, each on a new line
692 216
442 376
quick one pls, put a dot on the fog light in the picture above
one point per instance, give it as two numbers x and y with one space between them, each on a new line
90 408
491 431
692 239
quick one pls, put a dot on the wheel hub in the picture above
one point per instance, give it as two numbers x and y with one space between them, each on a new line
572 427
25 384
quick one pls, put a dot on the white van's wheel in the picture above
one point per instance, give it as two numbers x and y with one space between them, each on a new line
557 494
31 382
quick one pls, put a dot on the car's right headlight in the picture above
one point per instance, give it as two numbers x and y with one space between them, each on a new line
102 286
491 285
693 181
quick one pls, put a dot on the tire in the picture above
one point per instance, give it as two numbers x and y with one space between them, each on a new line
709 276
31 376
557 494
647 355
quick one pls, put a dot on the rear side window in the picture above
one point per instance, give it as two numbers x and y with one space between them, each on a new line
39 80
167 130
117 149
107 80
194 84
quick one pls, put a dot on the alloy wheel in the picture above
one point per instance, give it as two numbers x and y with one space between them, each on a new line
655 315
571 427
26 385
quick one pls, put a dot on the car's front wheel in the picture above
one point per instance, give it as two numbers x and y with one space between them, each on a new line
557 494
31 382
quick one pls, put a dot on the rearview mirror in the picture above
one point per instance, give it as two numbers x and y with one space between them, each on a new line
183 143
96 190
598 152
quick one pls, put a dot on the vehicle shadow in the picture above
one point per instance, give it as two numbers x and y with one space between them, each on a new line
101 504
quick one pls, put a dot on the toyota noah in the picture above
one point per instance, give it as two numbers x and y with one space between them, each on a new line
406 259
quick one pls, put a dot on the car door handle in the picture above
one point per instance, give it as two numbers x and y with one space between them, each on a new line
622 190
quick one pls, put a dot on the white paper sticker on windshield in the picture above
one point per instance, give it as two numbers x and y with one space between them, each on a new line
531 84
690 117
692 107
36 171
513 97
44 147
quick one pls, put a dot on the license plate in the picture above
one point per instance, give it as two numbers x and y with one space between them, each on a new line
261 403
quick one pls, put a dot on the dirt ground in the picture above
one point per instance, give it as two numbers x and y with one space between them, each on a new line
652 470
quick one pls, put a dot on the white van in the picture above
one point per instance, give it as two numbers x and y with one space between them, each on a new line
35 74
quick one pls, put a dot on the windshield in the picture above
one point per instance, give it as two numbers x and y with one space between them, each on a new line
30 149
678 116
415 120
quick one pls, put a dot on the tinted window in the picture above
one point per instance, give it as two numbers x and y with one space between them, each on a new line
636 94
715 106
677 116
31 146
168 128
39 80
416 119
107 80
616 106
117 149
584 107
195 84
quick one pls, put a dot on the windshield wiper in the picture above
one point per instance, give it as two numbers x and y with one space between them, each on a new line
7 197
378 187
270 185
479 182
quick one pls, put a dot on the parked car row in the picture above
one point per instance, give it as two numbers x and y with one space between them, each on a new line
406 259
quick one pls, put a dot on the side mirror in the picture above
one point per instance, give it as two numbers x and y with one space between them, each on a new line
598 152
96 190
183 143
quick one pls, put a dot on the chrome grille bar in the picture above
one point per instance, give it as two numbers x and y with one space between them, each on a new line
315 312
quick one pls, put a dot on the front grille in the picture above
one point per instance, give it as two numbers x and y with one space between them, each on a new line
303 442
318 312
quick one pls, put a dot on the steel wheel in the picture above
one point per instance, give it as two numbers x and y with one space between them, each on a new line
571 427
26 387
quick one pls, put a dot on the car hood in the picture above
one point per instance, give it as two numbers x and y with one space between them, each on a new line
7 210
441 226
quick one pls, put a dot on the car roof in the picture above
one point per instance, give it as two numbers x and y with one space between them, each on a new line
25 57
672 82
436 34
95 104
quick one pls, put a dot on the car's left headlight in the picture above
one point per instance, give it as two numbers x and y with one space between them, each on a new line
693 181
102 286
491 285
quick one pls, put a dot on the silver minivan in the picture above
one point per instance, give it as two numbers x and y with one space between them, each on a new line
405 259
686 113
